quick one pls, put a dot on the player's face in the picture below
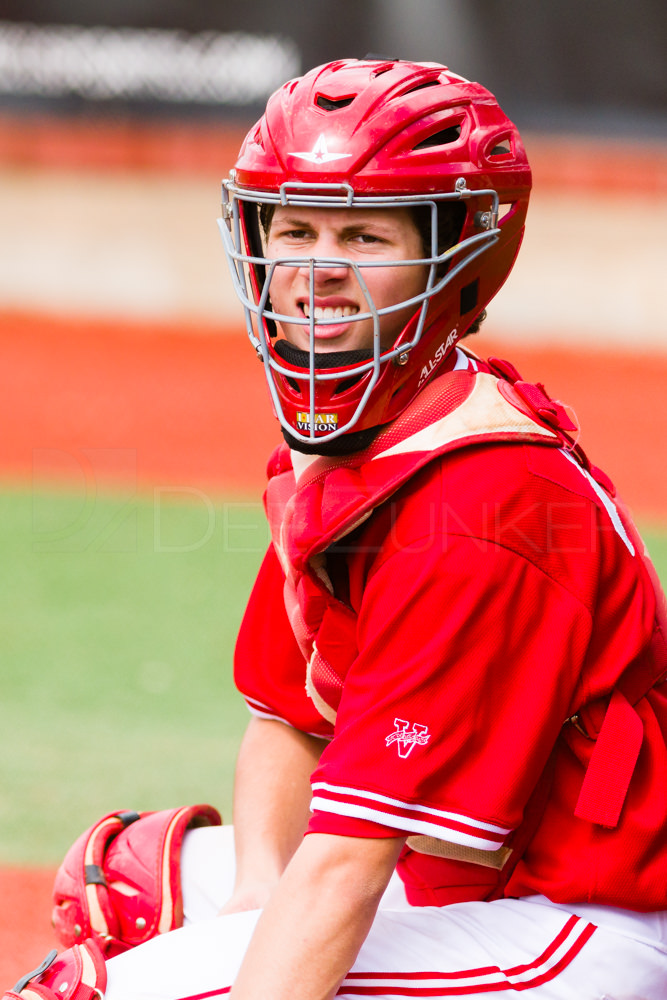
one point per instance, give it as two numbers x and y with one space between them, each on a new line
359 235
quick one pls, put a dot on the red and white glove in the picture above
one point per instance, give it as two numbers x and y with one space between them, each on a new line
120 882
79 973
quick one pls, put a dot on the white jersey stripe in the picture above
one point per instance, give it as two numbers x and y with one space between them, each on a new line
261 712
607 501
359 793
407 824
462 362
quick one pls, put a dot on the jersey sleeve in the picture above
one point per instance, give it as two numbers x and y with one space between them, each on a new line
269 668
469 654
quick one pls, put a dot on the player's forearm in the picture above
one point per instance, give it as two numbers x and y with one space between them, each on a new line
317 919
271 798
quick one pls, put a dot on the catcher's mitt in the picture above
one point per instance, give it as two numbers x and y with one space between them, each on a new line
120 882
77 974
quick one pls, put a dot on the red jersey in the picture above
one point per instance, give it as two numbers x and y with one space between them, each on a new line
499 601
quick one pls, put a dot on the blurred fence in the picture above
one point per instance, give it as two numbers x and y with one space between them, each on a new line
556 64
154 64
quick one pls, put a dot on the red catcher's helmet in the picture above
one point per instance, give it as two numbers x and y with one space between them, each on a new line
385 134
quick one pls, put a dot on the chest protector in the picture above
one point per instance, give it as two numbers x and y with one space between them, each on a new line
333 496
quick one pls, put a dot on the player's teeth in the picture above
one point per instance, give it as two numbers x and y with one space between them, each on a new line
330 312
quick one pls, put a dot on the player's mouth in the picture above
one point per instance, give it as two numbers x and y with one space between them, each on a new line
323 313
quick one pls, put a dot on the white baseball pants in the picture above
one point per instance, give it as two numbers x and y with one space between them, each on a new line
467 950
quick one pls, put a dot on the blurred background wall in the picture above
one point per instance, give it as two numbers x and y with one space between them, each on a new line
96 95
598 66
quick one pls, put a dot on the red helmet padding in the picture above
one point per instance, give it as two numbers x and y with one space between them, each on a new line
79 973
120 882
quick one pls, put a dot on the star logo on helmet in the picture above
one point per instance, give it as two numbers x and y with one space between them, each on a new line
320 153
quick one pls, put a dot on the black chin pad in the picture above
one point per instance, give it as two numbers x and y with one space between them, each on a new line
336 359
346 444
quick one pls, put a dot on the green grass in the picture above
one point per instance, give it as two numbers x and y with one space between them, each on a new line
117 624
655 537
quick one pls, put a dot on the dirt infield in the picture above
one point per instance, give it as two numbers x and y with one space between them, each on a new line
89 405
25 931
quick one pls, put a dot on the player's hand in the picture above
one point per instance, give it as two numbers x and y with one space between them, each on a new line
251 896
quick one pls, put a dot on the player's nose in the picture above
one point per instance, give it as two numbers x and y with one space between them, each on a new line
326 262
324 274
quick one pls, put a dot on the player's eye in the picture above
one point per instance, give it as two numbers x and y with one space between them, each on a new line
290 234
294 234
368 239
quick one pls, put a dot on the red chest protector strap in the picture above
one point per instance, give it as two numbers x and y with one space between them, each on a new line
619 737
612 764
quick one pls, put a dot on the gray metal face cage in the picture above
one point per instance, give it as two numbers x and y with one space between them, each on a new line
257 312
